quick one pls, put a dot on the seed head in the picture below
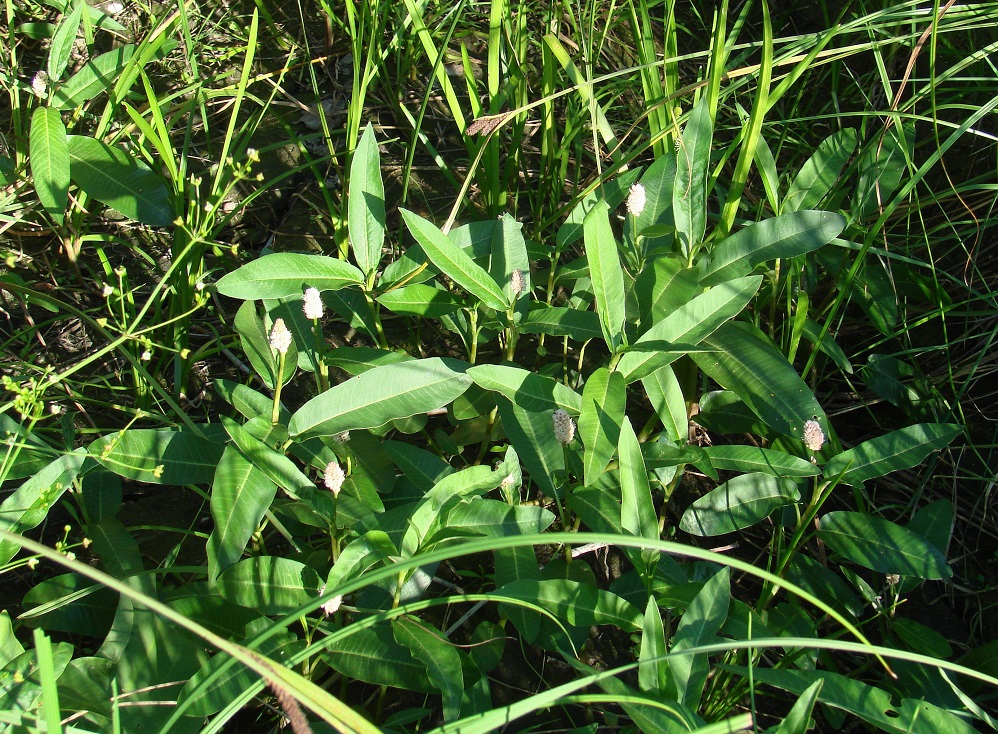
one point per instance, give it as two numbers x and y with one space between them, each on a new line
333 477
814 437
636 199
517 284
312 304
280 337
564 426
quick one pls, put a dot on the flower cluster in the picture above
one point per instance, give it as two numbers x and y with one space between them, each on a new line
280 337
333 477
813 437
564 426
312 304
636 200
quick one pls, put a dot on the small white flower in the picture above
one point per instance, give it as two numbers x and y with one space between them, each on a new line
280 337
813 437
32 563
39 84
312 304
331 606
208 207
333 477
113 7
564 426
893 579
199 286
636 199
517 283
146 355
107 291
253 154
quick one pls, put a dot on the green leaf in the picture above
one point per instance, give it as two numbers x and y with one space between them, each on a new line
255 341
785 236
509 253
372 655
356 360
603 403
274 465
653 668
901 449
439 656
559 321
702 620
70 603
497 519
159 455
454 262
269 584
528 390
63 40
579 604
420 300
240 496
880 545
798 719
686 327
366 203
96 75
743 361
637 510
286 274
738 503
757 459
380 395
49 149
662 286
689 194
532 435
613 192
821 171
666 396
882 165
606 273
120 180
657 181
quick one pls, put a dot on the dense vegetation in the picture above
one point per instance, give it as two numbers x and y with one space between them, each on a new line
465 366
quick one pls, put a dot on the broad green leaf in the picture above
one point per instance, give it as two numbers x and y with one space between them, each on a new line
873 705
825 584
246 400
356 360
785 236
439 656
882 166
666 396
422 467
85 685
286 274
827 345
528 390
122 181
738 503
240 496
740 359
657 181
512 564
598 508
532 435
48 146
702 620
64 39
24 452
380 395
880 545
10 646
603 403
509 253
274 465
159 455
70 603
497 519
372 655
686 327
756 459
559 321
96 75
579 604
606 273
420 300
269 584
613 192
454 262
901 449
689 194
255 341
662 286
722 411
798 719
366 202
637 510
653 668
821 171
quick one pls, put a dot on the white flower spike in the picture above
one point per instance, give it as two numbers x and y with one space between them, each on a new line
636 200
813 437
312 304
333 477
280 337
564 426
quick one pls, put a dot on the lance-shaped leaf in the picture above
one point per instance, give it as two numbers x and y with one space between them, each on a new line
686 327
820 172
637 510
559 321
366 206
380 395
738 503
689 194
880 545
269 584
603 402
743 361
703 618
441 658
528 390
901 449
786 236
159 456
49 151
532 435
286 274
454 262
421 300
606 274
97 75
